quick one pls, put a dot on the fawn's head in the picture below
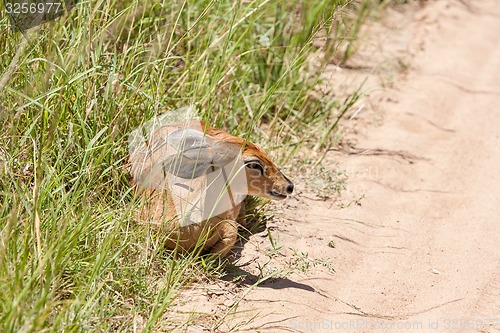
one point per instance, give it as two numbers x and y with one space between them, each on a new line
263 176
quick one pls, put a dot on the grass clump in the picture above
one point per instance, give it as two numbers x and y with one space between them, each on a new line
71 256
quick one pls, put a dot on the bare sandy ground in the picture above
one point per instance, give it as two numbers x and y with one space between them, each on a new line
416 247
420 251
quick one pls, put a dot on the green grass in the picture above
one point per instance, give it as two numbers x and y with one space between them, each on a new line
71 257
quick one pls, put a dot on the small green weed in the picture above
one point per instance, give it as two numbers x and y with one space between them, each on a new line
301 261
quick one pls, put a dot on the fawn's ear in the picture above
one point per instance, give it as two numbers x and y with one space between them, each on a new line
190 143
194 153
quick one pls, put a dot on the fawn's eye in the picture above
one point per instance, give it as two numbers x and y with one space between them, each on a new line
255 166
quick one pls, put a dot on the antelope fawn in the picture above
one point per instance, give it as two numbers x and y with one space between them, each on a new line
178 163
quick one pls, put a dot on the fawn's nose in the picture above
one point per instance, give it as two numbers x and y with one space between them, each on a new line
289 189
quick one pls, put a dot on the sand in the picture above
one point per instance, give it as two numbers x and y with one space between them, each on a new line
420 250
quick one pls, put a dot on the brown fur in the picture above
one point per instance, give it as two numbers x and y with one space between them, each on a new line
217 234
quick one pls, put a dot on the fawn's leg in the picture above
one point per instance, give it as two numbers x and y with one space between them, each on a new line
227 232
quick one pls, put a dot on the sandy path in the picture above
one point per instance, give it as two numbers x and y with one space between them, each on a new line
422 251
